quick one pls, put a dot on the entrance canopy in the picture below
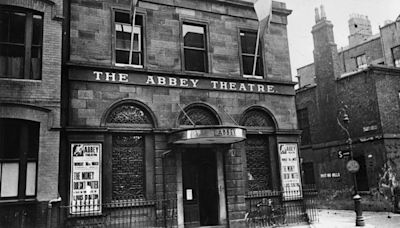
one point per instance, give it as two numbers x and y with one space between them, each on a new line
208 135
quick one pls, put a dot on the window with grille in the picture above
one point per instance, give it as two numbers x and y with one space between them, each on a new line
20 43
19 146
129 151
128 178
248 47
304 126
194 47
361 61
123 38
396 56
258 163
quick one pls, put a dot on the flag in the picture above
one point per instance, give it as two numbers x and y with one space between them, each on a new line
263 10
133 6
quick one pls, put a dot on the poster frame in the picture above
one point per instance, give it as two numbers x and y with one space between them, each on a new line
71 195
288 195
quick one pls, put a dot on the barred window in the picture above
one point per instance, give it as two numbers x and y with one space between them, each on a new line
128 179
258 163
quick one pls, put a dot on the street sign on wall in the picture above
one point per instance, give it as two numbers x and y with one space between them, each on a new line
342 153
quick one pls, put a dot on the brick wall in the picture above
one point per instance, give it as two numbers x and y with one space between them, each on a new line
39 100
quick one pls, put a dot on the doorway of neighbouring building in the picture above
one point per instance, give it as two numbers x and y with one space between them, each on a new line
200 191
361 175
308 173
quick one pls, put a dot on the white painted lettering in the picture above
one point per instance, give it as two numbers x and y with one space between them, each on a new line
194 82
232 85
184 82
251 86
270 89
224 85
150 80
110 76
260 88
172 81
98 74
242 87
214 84
123 77
161 81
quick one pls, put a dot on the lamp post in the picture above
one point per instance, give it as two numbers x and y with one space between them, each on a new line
352 166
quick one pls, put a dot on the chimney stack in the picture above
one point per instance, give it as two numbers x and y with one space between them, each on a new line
360 29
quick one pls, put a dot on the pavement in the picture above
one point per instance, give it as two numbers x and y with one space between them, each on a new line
346 219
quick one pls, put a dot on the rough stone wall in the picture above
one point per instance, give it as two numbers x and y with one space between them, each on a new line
91 34
90 101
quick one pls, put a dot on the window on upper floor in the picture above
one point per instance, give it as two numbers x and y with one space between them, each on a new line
20 43
19 146
194 47
304 126
361 61
396 56
125 39
248 47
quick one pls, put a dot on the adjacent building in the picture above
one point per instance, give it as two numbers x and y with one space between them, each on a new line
182 120
348 105
30 82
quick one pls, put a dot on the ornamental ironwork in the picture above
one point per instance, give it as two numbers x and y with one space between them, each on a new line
128 166
258 163
199 116
128 114
257 118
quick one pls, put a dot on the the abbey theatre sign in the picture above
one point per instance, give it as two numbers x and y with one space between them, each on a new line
180 81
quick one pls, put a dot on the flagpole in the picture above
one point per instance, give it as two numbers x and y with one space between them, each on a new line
256 51
132 35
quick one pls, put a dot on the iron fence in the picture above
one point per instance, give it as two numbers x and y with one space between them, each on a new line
118 214
280 208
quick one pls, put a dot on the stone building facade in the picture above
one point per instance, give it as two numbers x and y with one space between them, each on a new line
356 90
30 82
184 118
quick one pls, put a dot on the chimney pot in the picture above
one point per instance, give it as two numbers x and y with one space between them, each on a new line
317 17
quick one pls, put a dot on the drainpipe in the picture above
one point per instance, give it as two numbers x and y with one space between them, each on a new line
49 209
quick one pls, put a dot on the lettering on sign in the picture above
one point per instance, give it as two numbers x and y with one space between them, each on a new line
290 171
182 82
225 132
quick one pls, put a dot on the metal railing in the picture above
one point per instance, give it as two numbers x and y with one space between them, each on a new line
119 214
280 208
